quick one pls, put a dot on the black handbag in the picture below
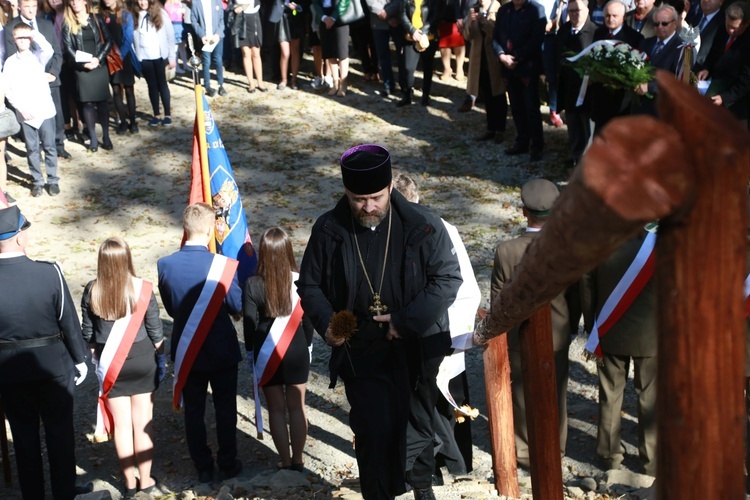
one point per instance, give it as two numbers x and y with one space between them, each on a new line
353 13
8 124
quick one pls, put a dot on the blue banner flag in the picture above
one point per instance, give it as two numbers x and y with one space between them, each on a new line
232 235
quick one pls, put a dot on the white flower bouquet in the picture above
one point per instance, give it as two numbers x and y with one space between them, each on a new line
616 65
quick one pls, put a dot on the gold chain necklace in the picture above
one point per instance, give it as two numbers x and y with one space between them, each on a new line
377 306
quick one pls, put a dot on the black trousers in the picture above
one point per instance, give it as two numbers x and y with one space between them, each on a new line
52 401
224 395
156 80
579 132
59 123
496 106
379 411
425 356
412 58
524 104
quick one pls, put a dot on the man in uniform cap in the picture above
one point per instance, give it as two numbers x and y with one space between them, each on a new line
538 197
42 356
391 264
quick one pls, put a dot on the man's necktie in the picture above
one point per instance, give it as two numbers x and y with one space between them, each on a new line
702 24
729 43
659 47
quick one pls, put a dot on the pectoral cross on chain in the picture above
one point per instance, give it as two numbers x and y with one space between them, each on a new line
377 307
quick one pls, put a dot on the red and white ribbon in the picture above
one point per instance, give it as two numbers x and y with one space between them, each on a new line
201 320
274 348
114 354
626 291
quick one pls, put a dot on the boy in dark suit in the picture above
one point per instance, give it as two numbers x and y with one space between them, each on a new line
186 279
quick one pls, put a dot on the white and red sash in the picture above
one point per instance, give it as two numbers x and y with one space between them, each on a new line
201 319
274 349
627 290
115 353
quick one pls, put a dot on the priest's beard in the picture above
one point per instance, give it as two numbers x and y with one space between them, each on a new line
372 218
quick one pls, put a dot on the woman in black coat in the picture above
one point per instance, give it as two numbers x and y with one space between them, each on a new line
85 35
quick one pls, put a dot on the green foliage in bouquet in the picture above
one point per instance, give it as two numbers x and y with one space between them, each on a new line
616 65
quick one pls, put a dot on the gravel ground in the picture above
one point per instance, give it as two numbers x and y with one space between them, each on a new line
284 147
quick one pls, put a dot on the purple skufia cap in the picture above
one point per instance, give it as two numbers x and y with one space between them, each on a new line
366 169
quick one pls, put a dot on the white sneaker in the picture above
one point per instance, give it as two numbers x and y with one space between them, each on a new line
328 81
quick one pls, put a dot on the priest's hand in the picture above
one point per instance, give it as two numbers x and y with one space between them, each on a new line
333 341
386 318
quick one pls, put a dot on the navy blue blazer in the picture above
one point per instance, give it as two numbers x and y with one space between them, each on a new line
36 304
668 60
199 19
714 31
181 279
520 33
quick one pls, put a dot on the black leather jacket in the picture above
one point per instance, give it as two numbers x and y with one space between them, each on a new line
72 43
432 13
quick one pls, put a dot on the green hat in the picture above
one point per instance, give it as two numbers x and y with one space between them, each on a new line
538 196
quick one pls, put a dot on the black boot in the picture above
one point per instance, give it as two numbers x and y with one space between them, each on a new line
406 100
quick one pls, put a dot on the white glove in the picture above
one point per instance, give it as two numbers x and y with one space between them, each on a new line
82 371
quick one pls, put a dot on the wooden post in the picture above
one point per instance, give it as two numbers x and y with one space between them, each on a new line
4 447
540 393
700 269
500 416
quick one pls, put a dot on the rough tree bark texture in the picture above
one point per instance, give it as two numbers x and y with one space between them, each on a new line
700 269
500 417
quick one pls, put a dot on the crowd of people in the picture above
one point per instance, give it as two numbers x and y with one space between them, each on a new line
91 54
384 281
391 264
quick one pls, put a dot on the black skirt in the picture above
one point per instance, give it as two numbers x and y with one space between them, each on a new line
138 373
253 31
126 76
335 41
295 367
290 27
93 86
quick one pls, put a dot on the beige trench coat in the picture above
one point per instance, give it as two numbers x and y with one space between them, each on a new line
472 33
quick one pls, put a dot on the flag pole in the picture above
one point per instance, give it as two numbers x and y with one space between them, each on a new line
195 63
